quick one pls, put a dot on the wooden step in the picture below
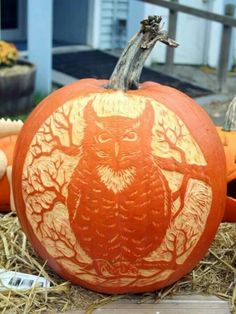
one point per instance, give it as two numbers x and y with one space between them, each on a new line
188 304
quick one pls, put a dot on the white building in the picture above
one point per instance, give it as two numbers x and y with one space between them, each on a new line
36 26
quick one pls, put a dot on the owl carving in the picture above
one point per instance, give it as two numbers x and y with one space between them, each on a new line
118 199
119 191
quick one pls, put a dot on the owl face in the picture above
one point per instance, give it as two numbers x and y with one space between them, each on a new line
116 141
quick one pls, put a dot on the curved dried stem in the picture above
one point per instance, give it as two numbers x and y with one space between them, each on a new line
128 70
230 117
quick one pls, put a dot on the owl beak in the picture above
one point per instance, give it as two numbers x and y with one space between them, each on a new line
117 148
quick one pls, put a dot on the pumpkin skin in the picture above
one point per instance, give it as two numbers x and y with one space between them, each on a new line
7 145
83 206
228 140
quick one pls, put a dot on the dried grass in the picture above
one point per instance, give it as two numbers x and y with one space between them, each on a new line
214 275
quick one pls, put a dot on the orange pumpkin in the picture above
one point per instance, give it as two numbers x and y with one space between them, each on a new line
120 189
228 138
8 137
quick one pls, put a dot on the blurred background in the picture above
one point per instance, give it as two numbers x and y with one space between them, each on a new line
73 39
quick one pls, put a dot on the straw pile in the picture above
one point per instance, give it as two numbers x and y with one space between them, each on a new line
215 275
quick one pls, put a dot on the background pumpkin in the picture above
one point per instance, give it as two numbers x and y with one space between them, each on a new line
8 135
228 137
120 186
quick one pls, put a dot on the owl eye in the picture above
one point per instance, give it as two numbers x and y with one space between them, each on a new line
102 154
103 138
130 137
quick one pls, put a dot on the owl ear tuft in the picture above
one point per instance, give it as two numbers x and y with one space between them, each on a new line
89 113
148 114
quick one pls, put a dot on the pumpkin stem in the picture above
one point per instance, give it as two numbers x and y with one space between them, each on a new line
230 117
119 77
128 70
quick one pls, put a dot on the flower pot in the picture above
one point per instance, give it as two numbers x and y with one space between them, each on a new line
17 88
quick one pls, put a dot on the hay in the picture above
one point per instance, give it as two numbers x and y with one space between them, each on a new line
214 275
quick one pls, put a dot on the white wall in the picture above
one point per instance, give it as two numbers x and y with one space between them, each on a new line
70 18
40 42
215 32
94 25
192 35
112 23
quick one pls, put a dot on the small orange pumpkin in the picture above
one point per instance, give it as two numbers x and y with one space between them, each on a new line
8 137
120 186
228 137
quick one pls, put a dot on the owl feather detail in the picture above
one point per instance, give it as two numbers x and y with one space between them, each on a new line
118 199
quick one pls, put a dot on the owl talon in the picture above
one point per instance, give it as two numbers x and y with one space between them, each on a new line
162 265
103 267
107 269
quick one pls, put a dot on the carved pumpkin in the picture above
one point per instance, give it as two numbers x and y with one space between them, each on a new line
228 137
119 189
8 137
